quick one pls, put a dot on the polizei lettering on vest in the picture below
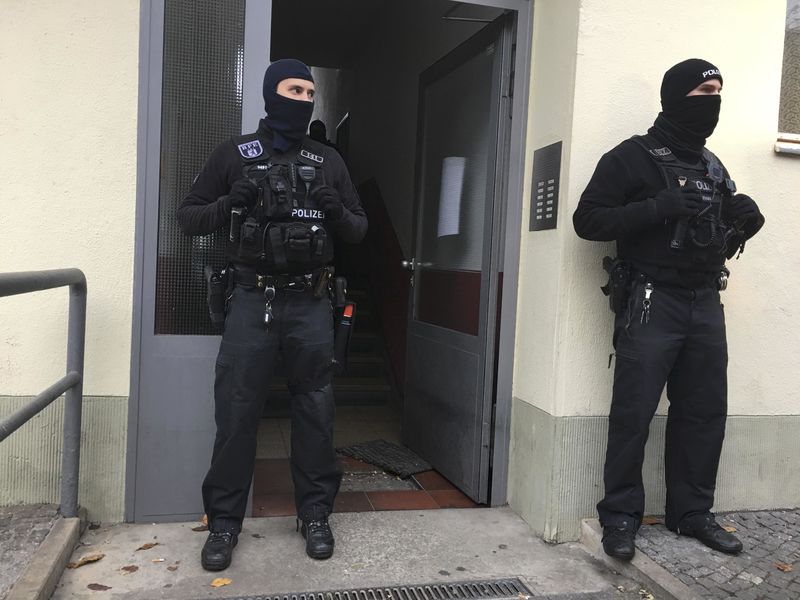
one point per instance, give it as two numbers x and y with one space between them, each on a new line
702 186
307 213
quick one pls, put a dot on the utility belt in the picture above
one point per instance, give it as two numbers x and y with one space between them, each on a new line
622 275
220 285
316 281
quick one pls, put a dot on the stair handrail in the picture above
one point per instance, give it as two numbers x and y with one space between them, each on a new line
71 385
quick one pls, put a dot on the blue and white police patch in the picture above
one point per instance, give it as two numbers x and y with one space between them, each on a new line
251 149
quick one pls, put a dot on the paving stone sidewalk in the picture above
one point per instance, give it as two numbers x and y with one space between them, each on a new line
767 569
22 529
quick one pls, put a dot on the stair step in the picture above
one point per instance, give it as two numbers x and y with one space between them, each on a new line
343 384
364 358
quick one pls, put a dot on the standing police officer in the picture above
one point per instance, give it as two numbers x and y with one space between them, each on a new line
675 215
282 197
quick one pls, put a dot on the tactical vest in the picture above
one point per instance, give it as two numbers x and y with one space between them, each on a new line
284 232
704 237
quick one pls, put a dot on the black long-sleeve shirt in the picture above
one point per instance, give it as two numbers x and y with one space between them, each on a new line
618 204
203 211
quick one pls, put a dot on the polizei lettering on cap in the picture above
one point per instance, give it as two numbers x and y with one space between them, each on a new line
710 72
308 213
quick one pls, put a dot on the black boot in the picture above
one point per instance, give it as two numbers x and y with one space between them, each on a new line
218 550
318 536
618 541
705 528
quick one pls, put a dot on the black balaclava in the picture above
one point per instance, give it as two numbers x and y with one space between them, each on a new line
318 131
287 118
689 119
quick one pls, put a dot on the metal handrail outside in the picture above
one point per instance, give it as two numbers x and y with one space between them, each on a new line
71 385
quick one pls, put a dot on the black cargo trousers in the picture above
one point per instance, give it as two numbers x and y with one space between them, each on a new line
680 343
302 333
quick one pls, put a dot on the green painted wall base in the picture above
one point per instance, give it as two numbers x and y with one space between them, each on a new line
556 467
30 459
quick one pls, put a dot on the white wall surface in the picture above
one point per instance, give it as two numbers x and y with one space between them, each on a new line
68 169
564 333
555 32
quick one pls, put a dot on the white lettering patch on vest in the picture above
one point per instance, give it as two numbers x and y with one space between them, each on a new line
308 213
661 151
702 186
251 149
306 154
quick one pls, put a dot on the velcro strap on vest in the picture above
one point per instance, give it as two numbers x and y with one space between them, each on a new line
278 249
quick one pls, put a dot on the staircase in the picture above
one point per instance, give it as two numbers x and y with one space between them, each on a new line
368 380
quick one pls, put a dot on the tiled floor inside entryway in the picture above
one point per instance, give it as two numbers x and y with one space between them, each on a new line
364 487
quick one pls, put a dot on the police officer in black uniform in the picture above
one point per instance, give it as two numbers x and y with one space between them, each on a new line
282 197
676 216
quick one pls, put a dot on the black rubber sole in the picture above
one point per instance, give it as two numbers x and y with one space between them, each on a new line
625 557
214 566
320 555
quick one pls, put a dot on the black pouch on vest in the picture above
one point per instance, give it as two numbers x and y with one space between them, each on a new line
297 246
251 240
216 295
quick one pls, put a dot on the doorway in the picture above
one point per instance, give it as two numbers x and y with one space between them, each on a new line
171 417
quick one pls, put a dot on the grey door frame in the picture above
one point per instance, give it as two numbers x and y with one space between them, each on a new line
424 337
511 202
256 32
147 184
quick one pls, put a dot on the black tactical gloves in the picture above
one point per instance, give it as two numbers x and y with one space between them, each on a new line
673 204
329 200
740 208
243 194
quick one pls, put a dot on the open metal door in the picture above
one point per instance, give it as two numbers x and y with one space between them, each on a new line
202 65
463 118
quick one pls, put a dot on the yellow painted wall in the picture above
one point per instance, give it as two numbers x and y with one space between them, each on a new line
537 352
614 63
68 119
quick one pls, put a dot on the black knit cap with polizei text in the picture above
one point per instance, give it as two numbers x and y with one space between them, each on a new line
682 78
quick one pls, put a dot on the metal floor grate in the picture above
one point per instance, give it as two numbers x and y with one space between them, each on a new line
482 589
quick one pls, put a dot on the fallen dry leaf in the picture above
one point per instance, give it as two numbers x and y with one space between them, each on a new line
784 567
645 595
172 568
158 560
128 569
147 546
85 560
651 521
98 587
220 581
200 528
204 520
729 529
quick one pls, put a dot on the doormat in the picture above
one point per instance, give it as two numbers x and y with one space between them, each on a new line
482 589
390 457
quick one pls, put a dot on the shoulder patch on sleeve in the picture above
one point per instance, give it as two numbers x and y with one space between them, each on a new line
251 149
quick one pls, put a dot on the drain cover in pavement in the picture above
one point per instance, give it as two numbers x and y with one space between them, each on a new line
488 589
388 456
